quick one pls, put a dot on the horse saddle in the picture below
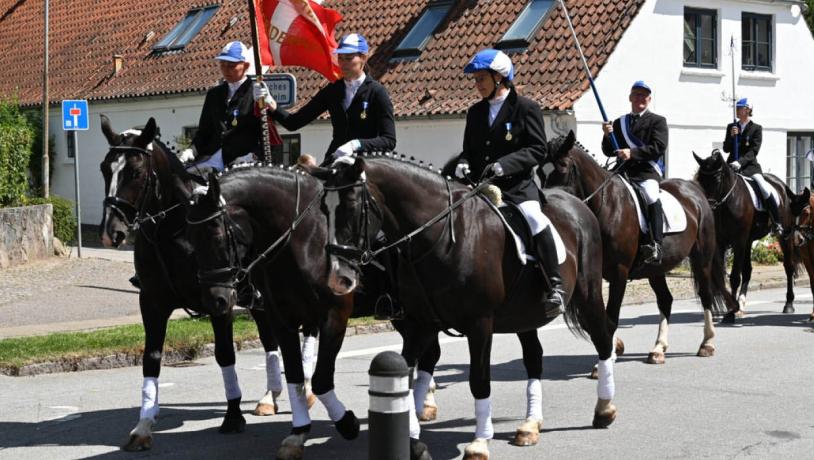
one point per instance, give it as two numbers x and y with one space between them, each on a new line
675 218
516 225
754 192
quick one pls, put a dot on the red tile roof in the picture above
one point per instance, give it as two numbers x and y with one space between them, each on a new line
85 34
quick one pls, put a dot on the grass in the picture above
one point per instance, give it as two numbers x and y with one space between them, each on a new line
184 336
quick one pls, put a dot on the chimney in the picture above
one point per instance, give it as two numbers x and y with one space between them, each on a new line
118 63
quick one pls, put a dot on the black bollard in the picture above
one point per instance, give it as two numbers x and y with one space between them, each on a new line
388 416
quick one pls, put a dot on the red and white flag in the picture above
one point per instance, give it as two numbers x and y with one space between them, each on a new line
299 33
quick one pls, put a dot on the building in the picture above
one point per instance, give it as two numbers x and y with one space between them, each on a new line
133 60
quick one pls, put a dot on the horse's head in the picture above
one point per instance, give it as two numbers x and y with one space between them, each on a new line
711 170
560 168
221 244
354 220
129 180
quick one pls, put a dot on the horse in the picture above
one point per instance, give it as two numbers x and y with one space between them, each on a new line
738 223
608 198
467 274
272 214
802 205
141 180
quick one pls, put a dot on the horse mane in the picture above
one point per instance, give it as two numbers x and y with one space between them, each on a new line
422 170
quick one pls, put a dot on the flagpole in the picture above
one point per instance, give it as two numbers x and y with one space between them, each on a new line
258 70
588 72
734 100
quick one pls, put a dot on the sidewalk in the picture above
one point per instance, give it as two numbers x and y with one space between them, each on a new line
72 294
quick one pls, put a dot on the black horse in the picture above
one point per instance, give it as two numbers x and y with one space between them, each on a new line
738 223
462 262
141 180
609 199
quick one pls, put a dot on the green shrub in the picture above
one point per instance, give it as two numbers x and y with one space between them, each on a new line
64 220
766 251
16 138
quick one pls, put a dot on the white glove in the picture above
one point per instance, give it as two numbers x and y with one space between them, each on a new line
186 155
495 169
347 148
462 170
261 95
735 165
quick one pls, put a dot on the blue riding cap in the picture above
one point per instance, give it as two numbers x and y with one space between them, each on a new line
743 103
352 43
491 59
234 52
641 84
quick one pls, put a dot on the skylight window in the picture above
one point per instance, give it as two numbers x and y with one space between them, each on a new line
419 35
525 26
185 31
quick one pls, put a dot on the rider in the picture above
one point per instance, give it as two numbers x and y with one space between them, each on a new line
360 107
229 125
642 140
505 138
750 136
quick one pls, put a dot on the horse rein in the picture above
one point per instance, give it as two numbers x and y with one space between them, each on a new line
715 204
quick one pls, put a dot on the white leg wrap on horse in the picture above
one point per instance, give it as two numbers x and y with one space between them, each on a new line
230 383
661 339
534 216
415 428
534 399
274 380
421 386
299 405
149 399
606 388
483 417
336 410
308 355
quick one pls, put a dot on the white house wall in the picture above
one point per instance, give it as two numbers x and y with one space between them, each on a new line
697 102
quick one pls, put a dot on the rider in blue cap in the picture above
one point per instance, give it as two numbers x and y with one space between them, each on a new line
750 137
360 108
505 139
642 138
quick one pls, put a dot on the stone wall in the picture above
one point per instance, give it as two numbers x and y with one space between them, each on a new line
26 233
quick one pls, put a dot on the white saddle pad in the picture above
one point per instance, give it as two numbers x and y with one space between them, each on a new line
755 199
521 248
675 220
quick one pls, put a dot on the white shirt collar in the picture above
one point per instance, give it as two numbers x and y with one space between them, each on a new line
640 113
351 86
234 86
495 105
356 82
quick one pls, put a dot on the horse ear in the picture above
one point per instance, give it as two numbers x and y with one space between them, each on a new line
112 137
321 173
697 158
148 133
358 167
213 192
568 143
806 194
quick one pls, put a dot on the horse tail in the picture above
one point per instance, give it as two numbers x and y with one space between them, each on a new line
722 300
571 318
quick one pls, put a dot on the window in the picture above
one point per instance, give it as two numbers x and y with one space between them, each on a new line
182 33
756 33
700 38
525 26
798 168
419 35
290 150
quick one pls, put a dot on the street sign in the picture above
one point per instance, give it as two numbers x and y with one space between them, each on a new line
75 115
283 88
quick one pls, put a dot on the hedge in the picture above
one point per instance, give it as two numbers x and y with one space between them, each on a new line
64 220
16 139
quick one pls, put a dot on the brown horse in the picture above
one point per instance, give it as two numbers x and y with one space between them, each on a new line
803 238
738 224
459 256
609 199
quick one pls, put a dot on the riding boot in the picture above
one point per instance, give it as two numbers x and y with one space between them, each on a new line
546 251
655 218
774 213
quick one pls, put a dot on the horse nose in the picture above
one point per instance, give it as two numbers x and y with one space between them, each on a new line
222 305
118 238
346 283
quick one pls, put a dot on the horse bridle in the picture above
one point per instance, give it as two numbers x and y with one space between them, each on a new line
718 176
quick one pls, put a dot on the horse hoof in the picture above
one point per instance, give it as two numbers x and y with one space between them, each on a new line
604 414
594 373
620 347
264 409
292 448
348 426
232 424
419 450
138 443
706 351
429 413
788 308
728 318
528 433
655 357
740 313
477 450
311 399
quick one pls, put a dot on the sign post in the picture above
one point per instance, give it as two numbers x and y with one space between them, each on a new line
282 87
75 118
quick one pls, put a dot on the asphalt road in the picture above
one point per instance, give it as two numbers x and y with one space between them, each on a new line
751 400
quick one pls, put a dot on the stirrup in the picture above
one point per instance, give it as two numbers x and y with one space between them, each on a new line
653 256
386 309
553 303
777 230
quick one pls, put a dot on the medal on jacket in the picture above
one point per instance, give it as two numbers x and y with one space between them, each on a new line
234 117
363 115
508 131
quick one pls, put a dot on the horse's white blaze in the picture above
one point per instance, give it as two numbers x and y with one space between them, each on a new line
331 203
115 169
661 339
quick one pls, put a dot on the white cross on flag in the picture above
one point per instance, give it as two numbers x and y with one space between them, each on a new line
299 33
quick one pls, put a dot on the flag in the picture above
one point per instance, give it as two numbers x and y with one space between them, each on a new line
298 32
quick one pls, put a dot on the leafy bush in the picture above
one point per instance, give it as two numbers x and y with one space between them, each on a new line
16 138
64 220
766 251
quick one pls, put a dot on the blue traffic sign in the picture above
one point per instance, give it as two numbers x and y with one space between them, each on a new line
75 115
